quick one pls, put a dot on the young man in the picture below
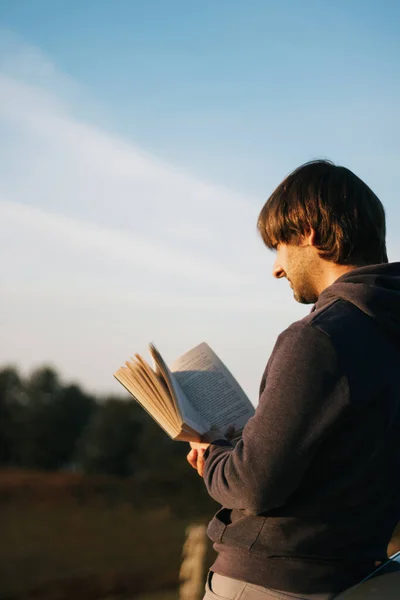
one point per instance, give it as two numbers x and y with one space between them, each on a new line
310 494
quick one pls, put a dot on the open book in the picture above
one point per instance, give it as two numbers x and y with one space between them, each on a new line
196 395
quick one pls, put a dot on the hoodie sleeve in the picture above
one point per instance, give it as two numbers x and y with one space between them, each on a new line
303 393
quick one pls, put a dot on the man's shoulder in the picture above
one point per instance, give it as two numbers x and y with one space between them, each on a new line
338 325
345 328
340 317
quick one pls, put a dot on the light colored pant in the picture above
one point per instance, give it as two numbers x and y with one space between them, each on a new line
225 588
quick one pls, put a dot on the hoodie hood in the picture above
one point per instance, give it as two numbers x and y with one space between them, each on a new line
374 289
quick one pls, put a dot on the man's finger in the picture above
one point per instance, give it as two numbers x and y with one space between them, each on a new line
192 458
196 460
200 462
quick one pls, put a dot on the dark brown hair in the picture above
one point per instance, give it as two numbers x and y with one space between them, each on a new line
346 215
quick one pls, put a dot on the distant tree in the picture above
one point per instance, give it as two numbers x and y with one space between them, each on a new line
53 420
71 413
110 443
12 401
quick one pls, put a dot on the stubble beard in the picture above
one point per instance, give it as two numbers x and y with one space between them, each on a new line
302 283
302 298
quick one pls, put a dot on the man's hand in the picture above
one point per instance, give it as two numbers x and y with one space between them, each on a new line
196 455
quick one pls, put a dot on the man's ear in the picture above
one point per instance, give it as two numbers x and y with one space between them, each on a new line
310 238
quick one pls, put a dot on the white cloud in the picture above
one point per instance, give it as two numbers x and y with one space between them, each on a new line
115 245
104 248
63 166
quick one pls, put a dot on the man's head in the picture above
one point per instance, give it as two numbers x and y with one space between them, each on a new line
323 221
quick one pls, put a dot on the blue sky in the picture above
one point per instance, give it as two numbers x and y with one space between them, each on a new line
139 140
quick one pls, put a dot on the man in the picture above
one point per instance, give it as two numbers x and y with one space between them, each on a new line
310 494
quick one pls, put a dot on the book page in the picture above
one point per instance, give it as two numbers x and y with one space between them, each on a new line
189 414
133 385
154 395
212 389
161 392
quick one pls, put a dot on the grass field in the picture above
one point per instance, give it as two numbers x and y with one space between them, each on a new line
58 545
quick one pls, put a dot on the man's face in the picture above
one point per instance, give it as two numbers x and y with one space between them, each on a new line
299 264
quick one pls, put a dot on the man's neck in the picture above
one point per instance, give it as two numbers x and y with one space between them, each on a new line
331 272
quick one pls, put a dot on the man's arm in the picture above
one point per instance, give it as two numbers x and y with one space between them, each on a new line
304 394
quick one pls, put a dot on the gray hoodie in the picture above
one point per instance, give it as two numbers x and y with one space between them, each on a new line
311 493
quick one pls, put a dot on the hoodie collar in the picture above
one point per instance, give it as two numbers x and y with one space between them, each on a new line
374 289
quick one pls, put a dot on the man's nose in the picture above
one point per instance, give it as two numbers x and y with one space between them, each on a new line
277 270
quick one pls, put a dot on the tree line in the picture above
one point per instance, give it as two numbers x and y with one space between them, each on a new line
51 426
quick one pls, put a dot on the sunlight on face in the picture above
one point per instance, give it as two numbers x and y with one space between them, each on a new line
298 264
